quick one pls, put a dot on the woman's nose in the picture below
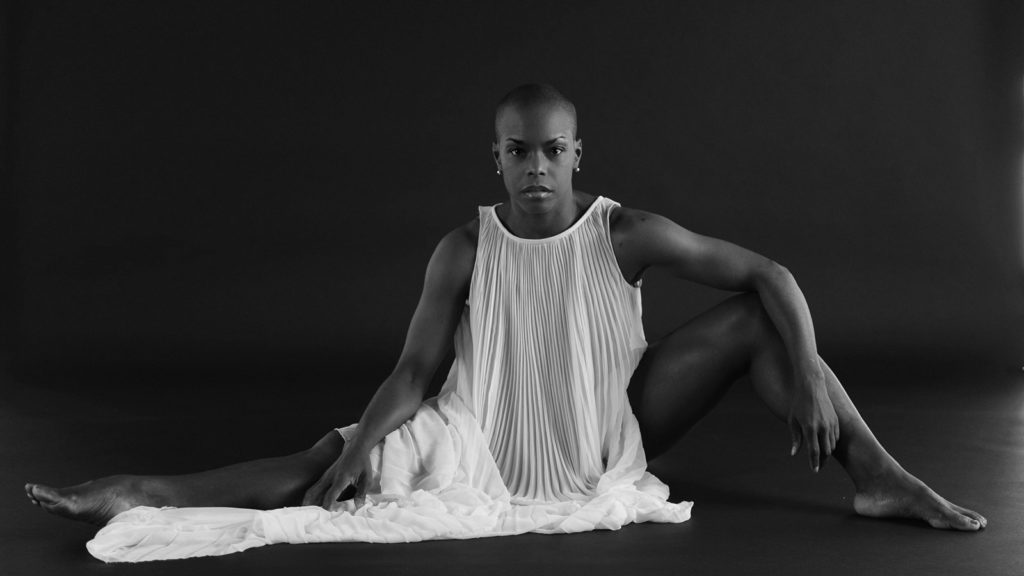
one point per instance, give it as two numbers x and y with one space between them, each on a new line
538 164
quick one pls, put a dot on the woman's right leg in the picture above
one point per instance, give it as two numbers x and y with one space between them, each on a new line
263 484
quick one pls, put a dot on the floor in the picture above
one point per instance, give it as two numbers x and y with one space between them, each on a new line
959 427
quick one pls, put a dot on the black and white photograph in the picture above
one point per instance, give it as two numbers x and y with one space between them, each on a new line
584 287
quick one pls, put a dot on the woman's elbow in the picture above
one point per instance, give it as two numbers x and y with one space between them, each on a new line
780 270
772 273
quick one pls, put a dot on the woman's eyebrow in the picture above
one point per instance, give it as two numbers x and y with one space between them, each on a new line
552 141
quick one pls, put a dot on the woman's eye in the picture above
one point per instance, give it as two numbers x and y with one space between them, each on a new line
516 151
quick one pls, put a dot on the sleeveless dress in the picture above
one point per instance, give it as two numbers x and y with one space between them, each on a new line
531 432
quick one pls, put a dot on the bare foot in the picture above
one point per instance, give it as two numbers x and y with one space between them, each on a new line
903 496
96 501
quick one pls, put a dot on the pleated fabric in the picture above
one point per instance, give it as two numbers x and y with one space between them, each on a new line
531 432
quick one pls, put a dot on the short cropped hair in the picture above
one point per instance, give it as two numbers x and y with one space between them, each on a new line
535 94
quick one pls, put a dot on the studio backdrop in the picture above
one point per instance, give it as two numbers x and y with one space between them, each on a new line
256 187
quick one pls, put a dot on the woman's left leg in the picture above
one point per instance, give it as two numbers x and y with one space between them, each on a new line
684 374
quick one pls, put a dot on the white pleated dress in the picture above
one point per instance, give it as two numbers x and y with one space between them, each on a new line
531 432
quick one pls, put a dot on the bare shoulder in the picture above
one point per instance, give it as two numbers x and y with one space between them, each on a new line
464 238
457 251
626 223
625 228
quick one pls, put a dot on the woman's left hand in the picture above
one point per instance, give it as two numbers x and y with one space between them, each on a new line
812 420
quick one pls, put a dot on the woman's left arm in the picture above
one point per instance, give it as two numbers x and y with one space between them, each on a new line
654 240
788 310
812 418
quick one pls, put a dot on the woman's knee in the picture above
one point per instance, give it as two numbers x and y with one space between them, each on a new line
327 449
748 318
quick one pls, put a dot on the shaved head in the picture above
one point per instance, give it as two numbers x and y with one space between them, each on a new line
528 96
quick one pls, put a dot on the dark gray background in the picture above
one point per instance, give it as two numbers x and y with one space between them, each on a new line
253 188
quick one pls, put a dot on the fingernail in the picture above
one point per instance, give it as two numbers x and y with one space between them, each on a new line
815 469
792 450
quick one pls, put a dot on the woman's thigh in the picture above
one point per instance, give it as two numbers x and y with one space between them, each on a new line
683 374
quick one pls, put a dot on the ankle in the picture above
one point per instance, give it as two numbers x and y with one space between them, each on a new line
869 474
152 491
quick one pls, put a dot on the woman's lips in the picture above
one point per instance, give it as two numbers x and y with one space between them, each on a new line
537 194
536 191
535 187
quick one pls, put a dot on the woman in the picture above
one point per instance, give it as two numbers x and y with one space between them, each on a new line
555 400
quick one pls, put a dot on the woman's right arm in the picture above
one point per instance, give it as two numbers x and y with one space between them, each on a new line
430 335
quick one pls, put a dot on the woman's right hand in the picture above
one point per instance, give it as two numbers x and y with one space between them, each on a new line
341 479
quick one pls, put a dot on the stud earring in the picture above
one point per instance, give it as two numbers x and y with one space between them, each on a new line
577 168
499 172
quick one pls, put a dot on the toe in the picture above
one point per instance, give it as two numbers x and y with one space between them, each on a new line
945 516
44 494
971 524
982 521
30 494
963 522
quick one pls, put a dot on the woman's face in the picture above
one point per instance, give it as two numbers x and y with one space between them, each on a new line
537 147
